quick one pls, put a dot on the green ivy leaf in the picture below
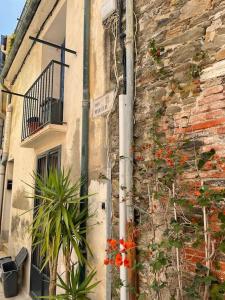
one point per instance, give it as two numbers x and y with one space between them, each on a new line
217 291
209 279
221 216
157 286
205 156
222 246
138 266
160 262
201 268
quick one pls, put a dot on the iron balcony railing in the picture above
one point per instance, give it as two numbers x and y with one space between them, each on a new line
43 102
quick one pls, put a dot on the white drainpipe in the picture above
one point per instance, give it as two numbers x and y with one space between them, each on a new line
123 141
130 103
5 153
108 290
126 122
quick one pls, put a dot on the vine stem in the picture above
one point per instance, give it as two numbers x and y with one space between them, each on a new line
206 237
180 291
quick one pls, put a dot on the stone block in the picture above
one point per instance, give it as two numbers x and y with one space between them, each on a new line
183 53
220 55
193 8
173 109
189 35
213 90
216 70
217 42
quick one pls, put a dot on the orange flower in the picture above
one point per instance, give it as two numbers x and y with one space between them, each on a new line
118 260
121 241
126 263
159 153
197 193
169 152
139 158
183 159
112 243
129 245
106 261
169 162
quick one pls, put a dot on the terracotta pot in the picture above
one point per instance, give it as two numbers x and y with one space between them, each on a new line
33 124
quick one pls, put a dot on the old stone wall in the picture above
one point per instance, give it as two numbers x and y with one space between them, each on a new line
180 69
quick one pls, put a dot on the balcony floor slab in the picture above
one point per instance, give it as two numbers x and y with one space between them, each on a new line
45 135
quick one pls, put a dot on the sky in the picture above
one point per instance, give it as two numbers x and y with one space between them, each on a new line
10 10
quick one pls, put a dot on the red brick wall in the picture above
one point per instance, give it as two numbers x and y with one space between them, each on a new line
193 95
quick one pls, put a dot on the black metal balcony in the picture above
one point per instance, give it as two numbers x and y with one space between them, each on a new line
43 102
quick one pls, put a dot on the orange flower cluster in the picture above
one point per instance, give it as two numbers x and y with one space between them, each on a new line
167 154
139 158
183 159
197 193
116 248
216 163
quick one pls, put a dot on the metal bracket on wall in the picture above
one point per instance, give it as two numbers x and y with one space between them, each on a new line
17 94
52 45
30 97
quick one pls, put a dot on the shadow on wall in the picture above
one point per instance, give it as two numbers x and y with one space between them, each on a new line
20 200
75 153
20 223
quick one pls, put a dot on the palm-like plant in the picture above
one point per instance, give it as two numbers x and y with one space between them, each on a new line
57 221
74 289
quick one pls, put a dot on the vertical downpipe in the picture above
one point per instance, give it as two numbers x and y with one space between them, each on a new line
130 121
126 156
108 290
5 151
85 120
130 99
123 105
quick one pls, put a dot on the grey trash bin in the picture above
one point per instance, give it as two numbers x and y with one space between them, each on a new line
2 261
10 279
10 274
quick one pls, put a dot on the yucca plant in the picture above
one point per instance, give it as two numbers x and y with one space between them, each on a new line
74 289
57 221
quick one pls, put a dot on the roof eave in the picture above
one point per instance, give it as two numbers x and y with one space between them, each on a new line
26 18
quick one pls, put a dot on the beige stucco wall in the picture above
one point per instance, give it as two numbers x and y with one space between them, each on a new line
97 150
24 164
25 158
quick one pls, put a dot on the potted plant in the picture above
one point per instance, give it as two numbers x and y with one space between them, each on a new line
57 221
76 289
33 124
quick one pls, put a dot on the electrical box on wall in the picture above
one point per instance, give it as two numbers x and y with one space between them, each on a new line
108 8
9 184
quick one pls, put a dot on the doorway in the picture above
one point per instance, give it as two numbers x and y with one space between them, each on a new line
39 280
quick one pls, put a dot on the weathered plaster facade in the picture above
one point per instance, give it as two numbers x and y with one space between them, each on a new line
189 84
65 23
